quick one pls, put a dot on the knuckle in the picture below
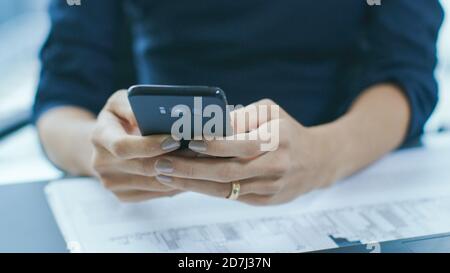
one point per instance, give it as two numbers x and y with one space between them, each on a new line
145 167
190 170
251 150
274 187
115 96
225 173
96 162
95 137
124 198
110 102
250 187
216 146
260 201
223 191
99 164
267 101
150 147
171 193
183 184
118 196
280 166
283 138
268 200
119 148
134 183
107 183
177 183
275 168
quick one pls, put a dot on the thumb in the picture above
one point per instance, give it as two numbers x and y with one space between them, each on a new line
120 106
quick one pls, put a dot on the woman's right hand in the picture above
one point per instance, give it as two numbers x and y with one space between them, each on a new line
123 159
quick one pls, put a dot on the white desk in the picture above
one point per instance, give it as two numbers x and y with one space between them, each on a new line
22 160
404 195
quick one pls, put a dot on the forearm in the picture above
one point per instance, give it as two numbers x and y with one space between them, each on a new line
375 125
65 135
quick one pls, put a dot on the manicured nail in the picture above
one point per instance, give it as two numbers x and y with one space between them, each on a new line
170 144
198 146
164 179
164 166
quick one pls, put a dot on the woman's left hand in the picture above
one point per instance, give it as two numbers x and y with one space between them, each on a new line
299 163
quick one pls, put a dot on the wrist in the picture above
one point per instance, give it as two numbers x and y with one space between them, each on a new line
330 146
65 134
84 155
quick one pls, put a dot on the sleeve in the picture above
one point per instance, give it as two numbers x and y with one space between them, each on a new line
78 56
401 39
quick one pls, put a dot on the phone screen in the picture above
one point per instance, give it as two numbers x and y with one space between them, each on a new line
185 112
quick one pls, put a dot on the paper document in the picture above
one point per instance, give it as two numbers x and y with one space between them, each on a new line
381 203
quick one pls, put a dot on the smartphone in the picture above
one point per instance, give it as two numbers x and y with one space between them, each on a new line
181 110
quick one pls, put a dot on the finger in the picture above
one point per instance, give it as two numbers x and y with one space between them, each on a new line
200 186
212 169
223 190
250 117
227 148
258 200
184 153
140 167
117 182
112 136
139 196
221 170
245 145
119 104
283 195
104 162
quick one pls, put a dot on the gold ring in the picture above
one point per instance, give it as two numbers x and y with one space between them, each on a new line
235 190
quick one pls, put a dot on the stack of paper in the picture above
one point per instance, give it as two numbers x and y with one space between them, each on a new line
406 194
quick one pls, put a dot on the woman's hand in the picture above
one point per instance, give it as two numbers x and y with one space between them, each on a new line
299 164
305 158
122 159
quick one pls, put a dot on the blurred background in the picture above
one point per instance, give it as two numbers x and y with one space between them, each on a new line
24 25
23 28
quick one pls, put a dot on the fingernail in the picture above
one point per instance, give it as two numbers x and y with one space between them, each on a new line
164 166
164 179
169 144
197 146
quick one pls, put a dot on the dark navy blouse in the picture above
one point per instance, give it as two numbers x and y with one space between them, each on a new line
313 57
